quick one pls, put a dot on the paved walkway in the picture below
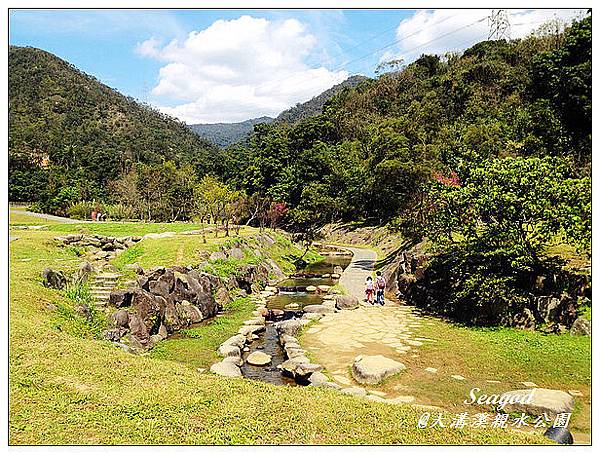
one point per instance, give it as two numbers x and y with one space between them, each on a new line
354 276
48 217
391 330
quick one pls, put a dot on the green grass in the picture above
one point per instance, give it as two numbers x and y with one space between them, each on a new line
197 347
510 356
22 219
68 389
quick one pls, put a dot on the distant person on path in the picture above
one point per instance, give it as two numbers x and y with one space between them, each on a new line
94 215
380 285
370 290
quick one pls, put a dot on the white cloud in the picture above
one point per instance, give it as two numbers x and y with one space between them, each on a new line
238 69
443 30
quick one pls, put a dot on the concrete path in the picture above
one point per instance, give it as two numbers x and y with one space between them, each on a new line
354 276
48 217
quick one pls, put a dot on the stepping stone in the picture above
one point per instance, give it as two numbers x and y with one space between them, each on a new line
458 377
529 384
375 398
574 392
258 359
341 379
401 400
374 369
431 370
377 393
226 369
355 391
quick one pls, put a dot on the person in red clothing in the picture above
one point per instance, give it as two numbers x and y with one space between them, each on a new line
94 214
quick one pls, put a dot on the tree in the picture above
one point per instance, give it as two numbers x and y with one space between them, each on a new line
518 205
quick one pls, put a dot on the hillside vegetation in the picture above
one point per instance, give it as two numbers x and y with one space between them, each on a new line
225 134
68 132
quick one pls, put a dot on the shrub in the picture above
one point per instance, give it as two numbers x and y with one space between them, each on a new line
119 212
82 210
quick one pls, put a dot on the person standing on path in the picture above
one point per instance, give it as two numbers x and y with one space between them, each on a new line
370 290
380 288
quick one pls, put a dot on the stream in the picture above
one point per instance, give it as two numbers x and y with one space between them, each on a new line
268 341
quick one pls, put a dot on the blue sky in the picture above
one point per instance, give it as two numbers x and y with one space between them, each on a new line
230 65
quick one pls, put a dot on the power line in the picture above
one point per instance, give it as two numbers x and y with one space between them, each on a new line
499 22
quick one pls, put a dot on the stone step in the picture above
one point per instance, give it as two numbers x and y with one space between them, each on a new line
106 291
108 276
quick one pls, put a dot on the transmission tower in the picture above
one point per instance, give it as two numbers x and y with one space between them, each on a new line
499 24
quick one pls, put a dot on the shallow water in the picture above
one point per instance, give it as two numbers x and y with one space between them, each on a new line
268 341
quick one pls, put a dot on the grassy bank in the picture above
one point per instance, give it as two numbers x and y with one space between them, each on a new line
68 388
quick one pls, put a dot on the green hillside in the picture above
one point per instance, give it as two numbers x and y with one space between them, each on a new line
68 129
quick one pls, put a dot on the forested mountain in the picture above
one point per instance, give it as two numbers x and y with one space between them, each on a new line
68 130
315 105
225 134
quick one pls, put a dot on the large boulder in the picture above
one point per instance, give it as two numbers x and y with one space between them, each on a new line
581 327
149 308
346 302
374 369
538 401
217 256
226 369
138 329
236 253
54 279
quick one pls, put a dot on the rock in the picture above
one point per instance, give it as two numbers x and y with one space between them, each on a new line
236 253
537 401
258 359
337 270
290 327
54 279
138 330
83 273
335 276
227 350
312 316
458 377
237 360
311 289
120 298
317 378
330 384
524 320
401 400
375 398
226 369
271 289
120 318
238 340
114 335
374 369
292 306
581 327
355 391
217 256
318 309
431 370
347 302
247 330
323 288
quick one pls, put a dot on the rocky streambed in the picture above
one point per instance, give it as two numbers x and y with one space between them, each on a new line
269 350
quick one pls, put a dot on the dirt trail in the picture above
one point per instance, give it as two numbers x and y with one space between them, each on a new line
48 217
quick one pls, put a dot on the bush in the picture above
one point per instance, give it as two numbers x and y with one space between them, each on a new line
119 212
82 210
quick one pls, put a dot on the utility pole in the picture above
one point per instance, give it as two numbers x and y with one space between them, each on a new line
499 24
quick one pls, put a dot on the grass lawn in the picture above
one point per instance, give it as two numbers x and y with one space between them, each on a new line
509 356
66 387
26 219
